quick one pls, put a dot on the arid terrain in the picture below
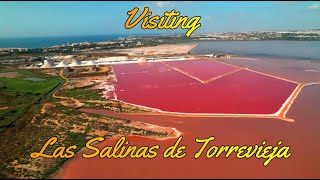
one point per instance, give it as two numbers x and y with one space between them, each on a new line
76 104
300 135
58 116
167 49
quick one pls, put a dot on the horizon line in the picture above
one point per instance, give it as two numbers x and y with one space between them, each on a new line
151 34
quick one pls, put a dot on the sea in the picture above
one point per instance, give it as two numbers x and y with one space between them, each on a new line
304 50
44 42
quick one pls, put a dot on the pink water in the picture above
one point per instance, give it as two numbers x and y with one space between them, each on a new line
158 86
202 69
300 135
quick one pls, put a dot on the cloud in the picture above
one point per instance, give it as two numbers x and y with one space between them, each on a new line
162 4
314 7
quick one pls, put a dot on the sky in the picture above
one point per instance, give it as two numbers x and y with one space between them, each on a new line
41 19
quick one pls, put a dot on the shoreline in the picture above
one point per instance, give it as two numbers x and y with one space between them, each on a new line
192 41
182 122
174 134
311 70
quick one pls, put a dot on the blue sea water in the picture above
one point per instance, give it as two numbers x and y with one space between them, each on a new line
43 42
305 50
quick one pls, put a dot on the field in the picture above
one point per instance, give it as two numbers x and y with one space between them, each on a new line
18 93
36 106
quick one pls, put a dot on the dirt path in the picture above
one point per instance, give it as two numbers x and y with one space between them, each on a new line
77 103
4 108
43 109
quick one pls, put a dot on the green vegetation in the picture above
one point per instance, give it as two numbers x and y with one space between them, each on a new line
18 94
25 129
25 137
83 94
114 106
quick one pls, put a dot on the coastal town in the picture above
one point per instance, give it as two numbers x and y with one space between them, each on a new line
148 88
159 90
8 54
261 35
